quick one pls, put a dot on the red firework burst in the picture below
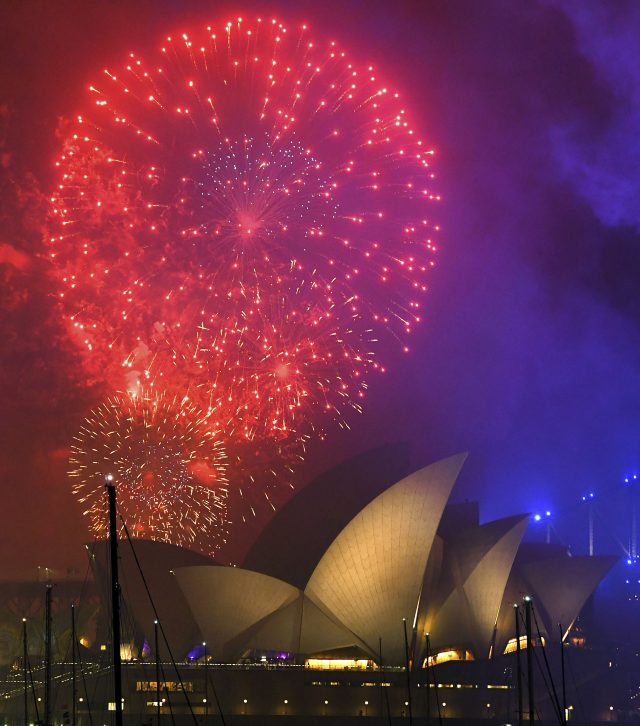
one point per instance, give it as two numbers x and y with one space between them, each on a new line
243 217
243 153
168 464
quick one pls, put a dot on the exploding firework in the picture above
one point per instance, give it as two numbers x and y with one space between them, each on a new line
262 475
255 374
243 218
244 162
168 464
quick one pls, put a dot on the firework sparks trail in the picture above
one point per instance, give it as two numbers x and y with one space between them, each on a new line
169 465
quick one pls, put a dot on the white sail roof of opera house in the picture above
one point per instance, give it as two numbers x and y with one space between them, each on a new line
252 611
559 584
353 484
371 576
344 581
462 610
239 599
368 580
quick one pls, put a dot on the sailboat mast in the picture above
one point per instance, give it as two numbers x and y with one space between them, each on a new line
564 682
25 656
115 602
157 654
527 621
407 665
519 667
73 666
47 658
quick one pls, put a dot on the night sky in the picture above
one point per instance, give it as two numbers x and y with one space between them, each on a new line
529 357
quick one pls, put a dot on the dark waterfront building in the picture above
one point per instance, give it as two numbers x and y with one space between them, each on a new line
257 693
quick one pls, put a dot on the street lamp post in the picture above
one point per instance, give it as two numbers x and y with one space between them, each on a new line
588 499
547 519
206 682
157 654
25 656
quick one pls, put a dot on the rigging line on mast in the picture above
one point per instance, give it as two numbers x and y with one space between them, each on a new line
531 652
164 678
33 691
91 558
155 612
576 690
553 692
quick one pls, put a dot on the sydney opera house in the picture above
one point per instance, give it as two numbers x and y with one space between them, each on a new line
396 603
